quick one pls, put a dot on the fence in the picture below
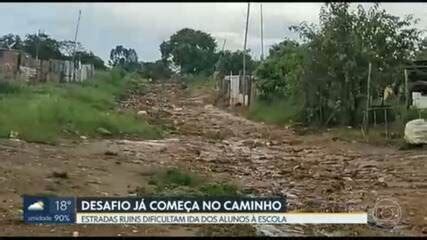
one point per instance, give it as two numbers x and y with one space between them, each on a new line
235 90
17 65
414 95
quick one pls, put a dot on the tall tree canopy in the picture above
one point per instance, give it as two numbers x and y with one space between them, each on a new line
67 48
232 62
340 50
89 58
192 51
49 48
42 45
124 58
12 41
155 70
279 74
422 50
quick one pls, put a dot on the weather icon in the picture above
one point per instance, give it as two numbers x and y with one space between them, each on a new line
37 206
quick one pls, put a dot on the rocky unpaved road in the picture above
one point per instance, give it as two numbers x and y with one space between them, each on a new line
316 173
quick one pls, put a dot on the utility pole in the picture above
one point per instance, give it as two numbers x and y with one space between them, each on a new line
262 35
244 44
37 44
220 56
406 88
75 45
244 55
368 98
223 45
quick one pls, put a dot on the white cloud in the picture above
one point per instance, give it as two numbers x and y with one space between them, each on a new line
37 206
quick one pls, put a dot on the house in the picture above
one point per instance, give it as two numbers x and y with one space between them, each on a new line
417 84
419 94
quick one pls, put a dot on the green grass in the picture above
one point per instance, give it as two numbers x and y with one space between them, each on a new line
275 112
47 112
376 136
377 133
200 82
177 182
174 177
281 112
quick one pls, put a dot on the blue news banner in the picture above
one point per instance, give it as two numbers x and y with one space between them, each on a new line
68 210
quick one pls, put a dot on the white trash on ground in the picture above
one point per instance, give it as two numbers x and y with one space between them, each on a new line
416 131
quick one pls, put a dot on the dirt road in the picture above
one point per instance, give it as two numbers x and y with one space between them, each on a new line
316 173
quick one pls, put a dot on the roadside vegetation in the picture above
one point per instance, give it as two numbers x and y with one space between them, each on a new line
280 112
178 182
321 81
46 112
198 83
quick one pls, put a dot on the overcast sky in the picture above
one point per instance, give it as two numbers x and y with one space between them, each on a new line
143 26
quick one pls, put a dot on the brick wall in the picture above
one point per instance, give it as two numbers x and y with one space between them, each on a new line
8 63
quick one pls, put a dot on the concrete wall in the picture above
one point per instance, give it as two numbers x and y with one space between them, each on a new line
8 63
27 74
87 71
240 90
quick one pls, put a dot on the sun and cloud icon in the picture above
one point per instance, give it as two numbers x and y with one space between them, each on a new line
37 206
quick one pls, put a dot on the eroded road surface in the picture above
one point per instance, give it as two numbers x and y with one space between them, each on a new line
316 173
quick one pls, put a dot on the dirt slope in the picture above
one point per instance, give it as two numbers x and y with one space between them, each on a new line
316 173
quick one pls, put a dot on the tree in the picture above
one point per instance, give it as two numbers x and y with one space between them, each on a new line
340 49
192 51
155 70
232 62
90 58
12 41
422 50
279 75
124 58
43 46
67 48
49 48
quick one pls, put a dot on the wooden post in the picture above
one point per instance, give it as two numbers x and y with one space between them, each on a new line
406 88
368 97
230 100
385 122
375 118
